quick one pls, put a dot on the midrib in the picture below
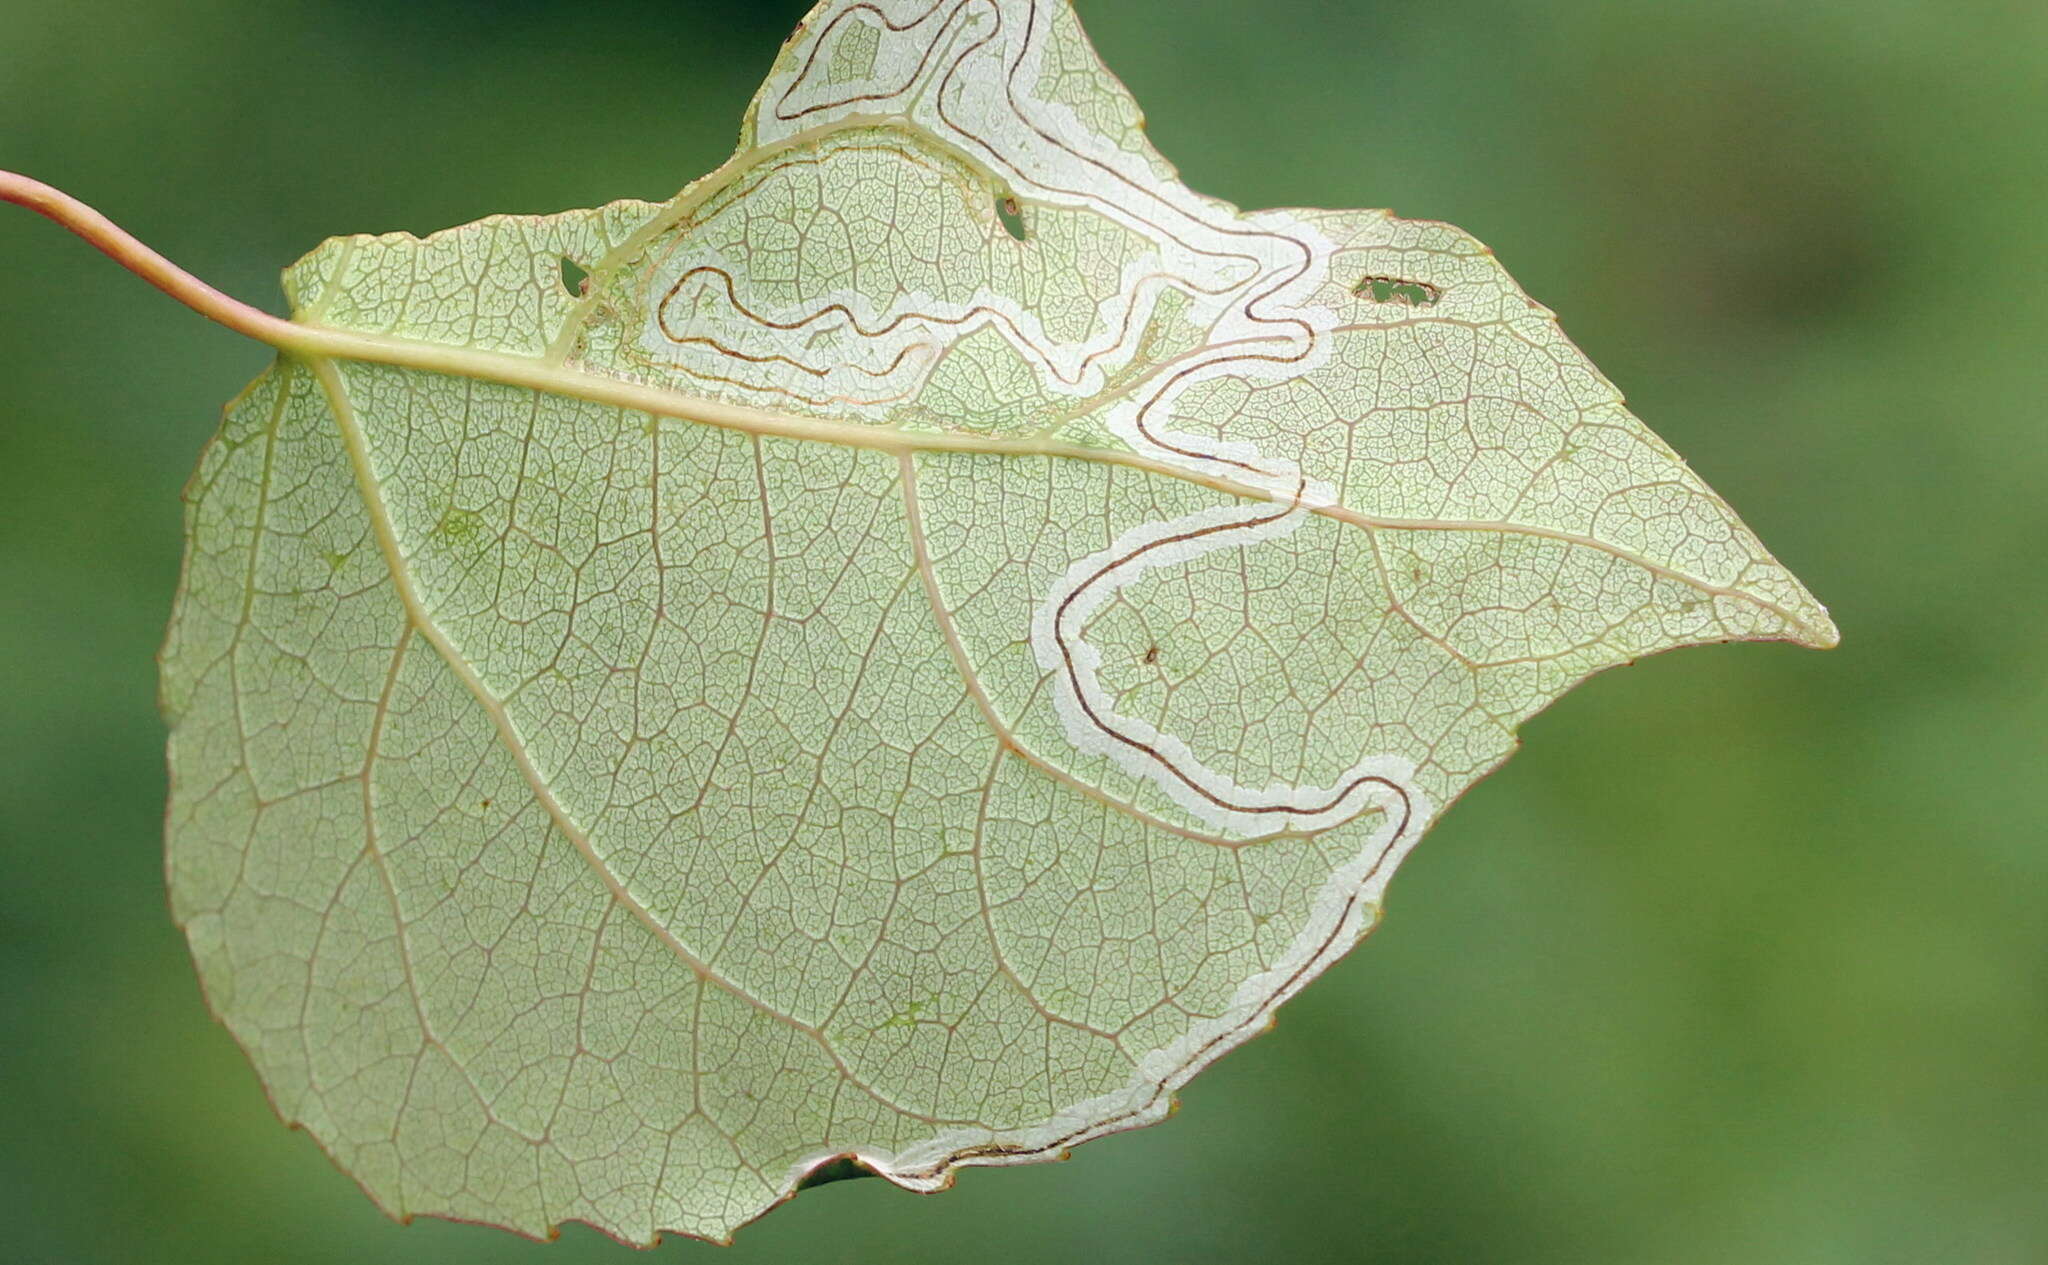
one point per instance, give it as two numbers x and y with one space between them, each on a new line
318 342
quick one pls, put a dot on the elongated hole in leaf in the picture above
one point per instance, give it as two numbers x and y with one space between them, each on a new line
575 278
1011 215
1397 290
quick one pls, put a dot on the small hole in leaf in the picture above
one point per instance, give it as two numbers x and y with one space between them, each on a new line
575 278
1397 290
1011 215
837 1169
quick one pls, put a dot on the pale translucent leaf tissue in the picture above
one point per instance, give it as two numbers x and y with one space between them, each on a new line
909 650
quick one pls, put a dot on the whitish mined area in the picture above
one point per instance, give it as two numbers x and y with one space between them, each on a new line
908 651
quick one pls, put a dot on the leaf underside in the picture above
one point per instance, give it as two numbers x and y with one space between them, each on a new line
1004 651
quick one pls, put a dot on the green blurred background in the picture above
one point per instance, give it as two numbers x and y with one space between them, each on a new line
1744 960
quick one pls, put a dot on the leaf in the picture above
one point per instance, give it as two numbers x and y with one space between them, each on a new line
897 657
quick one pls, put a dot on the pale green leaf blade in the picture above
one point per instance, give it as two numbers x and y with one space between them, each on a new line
914 658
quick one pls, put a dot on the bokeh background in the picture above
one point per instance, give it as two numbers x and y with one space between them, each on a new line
1745 959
